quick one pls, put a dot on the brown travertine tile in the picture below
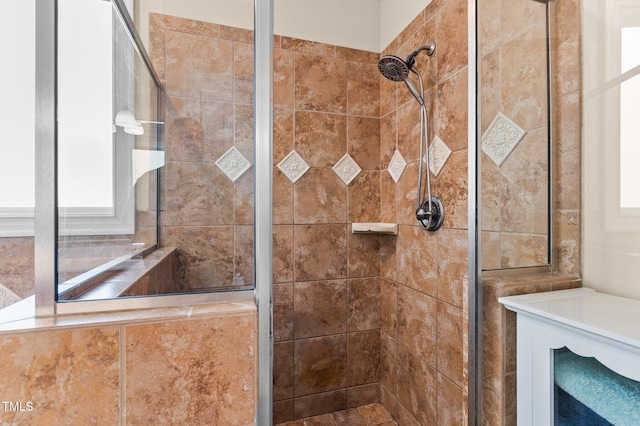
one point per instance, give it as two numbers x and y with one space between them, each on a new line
314 130
320 308
363 395
418 391
520 250
452 48
244 135
199 67
282 133
568 166
363 255
282 198
208 190
452 190
244 256
198 130
362 90
405 418
162 363
449 402
348 418
305 46
282 312
388 257
57 372
320 252
388 307
524 60
524 198
417 263
518 18
321 403
568 241
489 22
243 72
491 86
452 265
451 117
357 55
282 253
510 399
184 25
320 196
417 323
568 47
388 138
236 34
374 414
492 408
363 141
282 78
406 196
491 190
282 371
17 265
363 304
388 96
244 209
387 198
363 357
408 115
320 365
282 411
388 363
205 255
388 401
364 197
320 83
450 362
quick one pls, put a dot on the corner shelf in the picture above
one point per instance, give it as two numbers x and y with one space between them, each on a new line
374 228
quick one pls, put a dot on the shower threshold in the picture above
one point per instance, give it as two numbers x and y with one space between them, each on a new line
366 415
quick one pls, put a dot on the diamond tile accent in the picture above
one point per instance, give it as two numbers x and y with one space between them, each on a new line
439 153
396 166
293 166
7 297
502 136
233 164
347 169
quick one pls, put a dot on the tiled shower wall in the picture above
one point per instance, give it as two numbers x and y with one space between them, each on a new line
513 70
423 286
207 70
326 285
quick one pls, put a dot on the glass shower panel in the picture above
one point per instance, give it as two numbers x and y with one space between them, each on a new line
108 148
17 152
514 110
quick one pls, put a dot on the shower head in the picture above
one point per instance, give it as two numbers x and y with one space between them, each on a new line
395 69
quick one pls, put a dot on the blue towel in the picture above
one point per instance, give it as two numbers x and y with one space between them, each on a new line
613 397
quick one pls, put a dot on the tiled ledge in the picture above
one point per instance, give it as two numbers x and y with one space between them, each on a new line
508 285
221 309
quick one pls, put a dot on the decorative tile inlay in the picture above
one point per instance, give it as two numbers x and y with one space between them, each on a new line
293 166
7 297
396 166
347 169
501 138
439 153
233 164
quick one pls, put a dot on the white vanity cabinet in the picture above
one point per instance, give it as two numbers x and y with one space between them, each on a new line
589 324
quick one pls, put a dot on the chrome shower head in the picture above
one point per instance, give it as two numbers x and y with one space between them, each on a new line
393 68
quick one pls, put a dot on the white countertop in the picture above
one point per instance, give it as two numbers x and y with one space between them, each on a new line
617 318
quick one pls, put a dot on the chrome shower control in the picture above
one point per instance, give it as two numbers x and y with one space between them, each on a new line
430 219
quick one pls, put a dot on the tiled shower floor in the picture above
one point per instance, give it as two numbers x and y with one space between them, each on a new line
367 415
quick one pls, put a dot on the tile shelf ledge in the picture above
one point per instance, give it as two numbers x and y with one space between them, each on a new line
374 228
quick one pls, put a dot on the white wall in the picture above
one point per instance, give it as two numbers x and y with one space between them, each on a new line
359 24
